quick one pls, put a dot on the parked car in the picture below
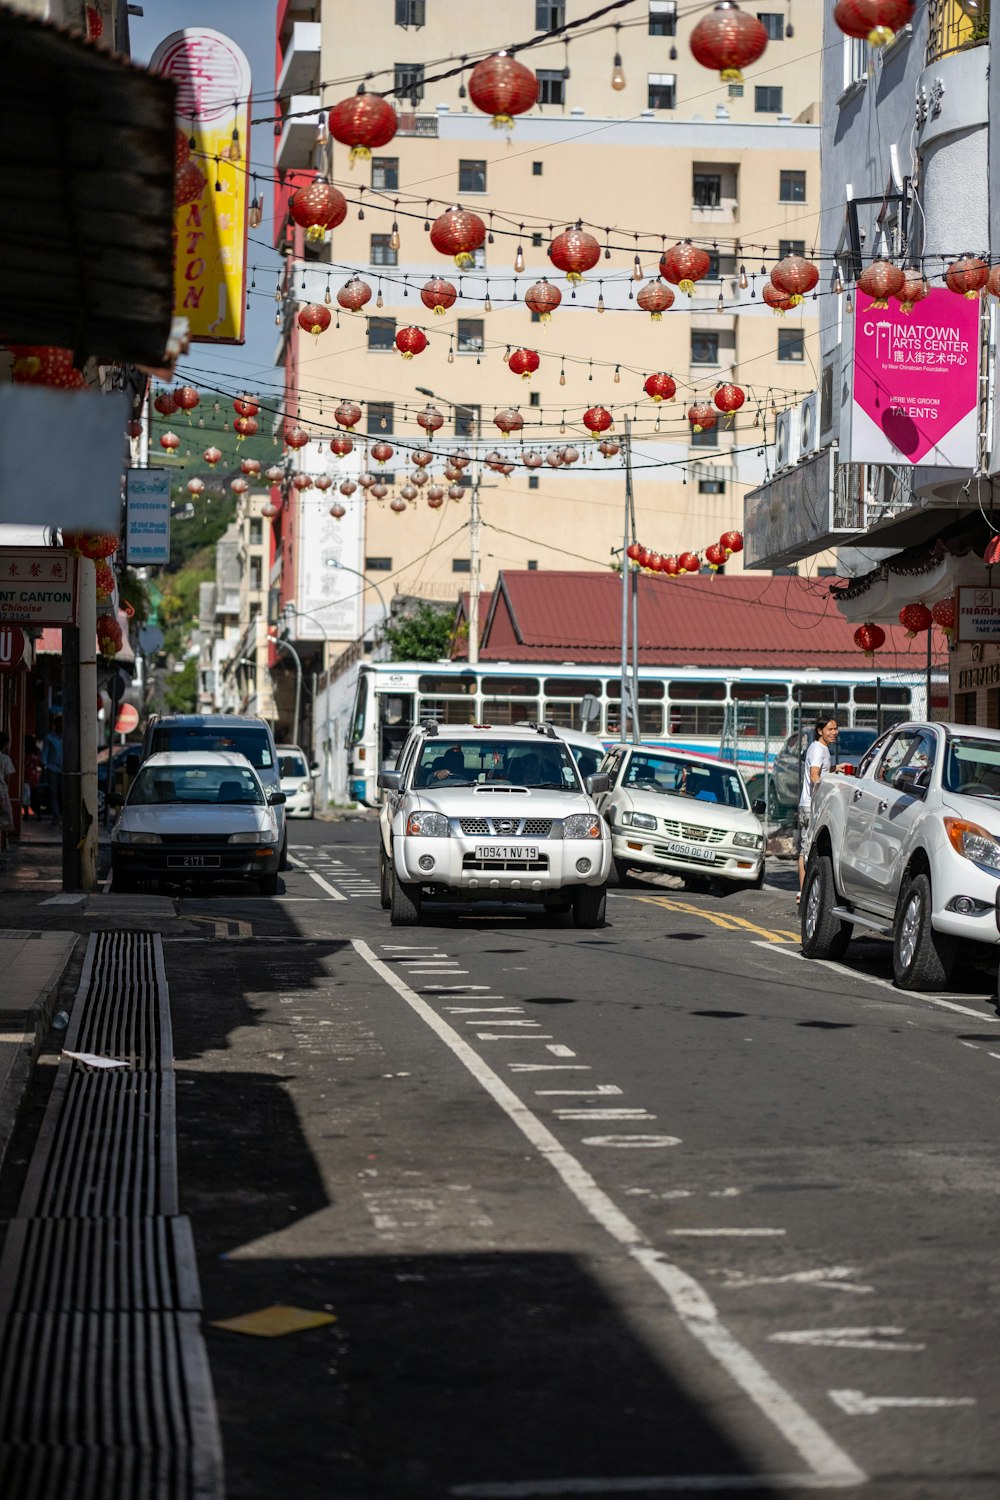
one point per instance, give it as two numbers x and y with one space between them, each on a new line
297 782
119 760
685 814
244 735
492 814
196 814
848 749
909 848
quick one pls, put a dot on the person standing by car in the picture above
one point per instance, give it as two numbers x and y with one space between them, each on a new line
52 760
818 762
32 777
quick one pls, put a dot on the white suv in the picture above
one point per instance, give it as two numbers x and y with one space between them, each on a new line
496 814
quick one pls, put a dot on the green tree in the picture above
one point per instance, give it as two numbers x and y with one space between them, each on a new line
181 688
425 633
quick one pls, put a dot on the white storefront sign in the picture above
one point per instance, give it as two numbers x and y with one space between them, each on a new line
147 525
38 585
977 614
330 601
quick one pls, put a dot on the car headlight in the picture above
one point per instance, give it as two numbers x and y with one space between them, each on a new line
123 836
748 840
428 825
973 842
639 820
265 837
304 786
582 826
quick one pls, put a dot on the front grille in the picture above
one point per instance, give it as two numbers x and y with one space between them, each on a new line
200 840
475 825
692 832
537 828
515 866
508 828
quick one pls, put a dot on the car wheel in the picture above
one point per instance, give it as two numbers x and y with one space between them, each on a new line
699 885
384 879
823 934
268 885
283 856
589 905
404 903
618 874
922 959
558 905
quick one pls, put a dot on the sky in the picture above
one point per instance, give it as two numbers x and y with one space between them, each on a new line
250 23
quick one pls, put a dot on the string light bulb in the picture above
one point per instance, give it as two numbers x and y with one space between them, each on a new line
322 134
720 305
743 279
637 269
600 300
618 374
394 236
617 70
255 213
519 260
850 303
838 283
562 374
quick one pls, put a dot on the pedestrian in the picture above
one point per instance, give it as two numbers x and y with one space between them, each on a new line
52 760
32 777
7 770
817 763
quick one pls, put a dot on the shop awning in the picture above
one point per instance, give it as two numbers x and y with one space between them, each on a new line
86 183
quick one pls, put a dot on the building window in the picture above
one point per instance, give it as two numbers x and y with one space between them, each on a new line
736 91
791 247
704 347
532 481
535 398
791 345
711 486
382 253
773 23
411 12
661 91
385 172
461 565
536 241
471 176
663 17
707 438
549 14
378 564
532 564
381 333
536 168
707 190
536 317
408 81
466 424
256 531
789 572
792 187
767 99
381 417
551 86
828 572
470 336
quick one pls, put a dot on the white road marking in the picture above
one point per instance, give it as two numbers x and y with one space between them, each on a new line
831 1278
602 1088
325 885
645 1484
482 1010
727 1233
442 989
520 1067
558 1050
884 984
632 1142
493 1036
409 947
688 1298
603 1114
296 864
848 1338
524 1021
857 1405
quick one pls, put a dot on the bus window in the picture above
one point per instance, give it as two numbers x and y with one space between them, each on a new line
650 718
572 687
750 719
868 693
448 686
361 706
688 690
649 691
448 710
510 687
509 710
396 716
748 691
696 718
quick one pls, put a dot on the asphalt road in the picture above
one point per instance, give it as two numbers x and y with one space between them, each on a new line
652 1210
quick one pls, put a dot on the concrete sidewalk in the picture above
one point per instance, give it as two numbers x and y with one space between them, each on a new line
32 965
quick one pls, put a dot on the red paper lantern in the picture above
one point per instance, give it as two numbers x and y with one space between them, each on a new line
239 486
348 487
314 318
347 414
914 289
554 458
46 364
729 398
245 406
245 427
187 398
455 491
317 207
523 362
992 554
341 445
915 618
422 458
731 541
543 298
109 635
363 122
495 462
570 454
943 613
211 457
93 544
381 452
967 276
435 497
727 40
574 251
689 562
411 341
795 276
295 436
509 419
671 566
271 508
195 486
165 404
354 294
661 387
502 87
881 280
420 476
169 442
532 459
409 492
251 466
869 639
777 300
458 233
323 482
300 482
275 473
338 511
993 281
633 551
684 264
189 184
609 447
104 580
396 505
438 295
655 298
876 21
430 419
702 417
715 557
133 429
598 419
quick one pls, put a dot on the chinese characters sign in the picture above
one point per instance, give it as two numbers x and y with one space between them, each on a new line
147 524
916 382
38 585
977 614
210 227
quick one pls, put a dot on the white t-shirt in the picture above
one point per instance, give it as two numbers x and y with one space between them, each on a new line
816 755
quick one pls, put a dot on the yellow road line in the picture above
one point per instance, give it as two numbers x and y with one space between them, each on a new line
727 920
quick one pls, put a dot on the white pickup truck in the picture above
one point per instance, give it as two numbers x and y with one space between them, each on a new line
909 848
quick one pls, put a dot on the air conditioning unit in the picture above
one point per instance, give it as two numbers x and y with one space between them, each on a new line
809 433
786 438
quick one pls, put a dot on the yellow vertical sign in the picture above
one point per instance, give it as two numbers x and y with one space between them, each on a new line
210 215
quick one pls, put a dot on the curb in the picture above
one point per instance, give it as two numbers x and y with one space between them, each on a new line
22 1031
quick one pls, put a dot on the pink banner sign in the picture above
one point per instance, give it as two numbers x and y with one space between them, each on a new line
916 382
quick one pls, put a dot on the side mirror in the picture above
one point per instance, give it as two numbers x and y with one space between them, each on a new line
275 799
315 773
115 799
599 782
760 807
390 781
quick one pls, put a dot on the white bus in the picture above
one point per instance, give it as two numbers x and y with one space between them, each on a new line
363 714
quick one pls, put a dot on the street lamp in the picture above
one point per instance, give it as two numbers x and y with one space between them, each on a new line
474 569
369 583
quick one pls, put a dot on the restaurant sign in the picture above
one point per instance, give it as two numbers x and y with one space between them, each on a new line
977 614
38 585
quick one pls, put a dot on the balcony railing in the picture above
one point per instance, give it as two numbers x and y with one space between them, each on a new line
955 25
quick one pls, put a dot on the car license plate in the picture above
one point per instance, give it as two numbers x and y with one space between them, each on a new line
192 861
692 851
516 852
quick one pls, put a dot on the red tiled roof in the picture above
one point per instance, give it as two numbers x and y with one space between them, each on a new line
711 621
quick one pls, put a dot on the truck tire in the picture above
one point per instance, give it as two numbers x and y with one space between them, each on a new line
589 905
823 934
404 903
922 959
618 873
384 880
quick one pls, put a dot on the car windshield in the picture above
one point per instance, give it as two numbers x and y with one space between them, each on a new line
248 740
220 785
972 767
675 777
292 765
532 763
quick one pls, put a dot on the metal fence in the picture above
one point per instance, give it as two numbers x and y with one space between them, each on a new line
954 25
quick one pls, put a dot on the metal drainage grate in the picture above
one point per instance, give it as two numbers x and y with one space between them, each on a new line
122 1008
98 1265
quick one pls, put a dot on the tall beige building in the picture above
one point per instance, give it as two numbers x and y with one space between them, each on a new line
675 153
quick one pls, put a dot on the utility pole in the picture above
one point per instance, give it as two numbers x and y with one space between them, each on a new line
630 503
474 587
622 708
